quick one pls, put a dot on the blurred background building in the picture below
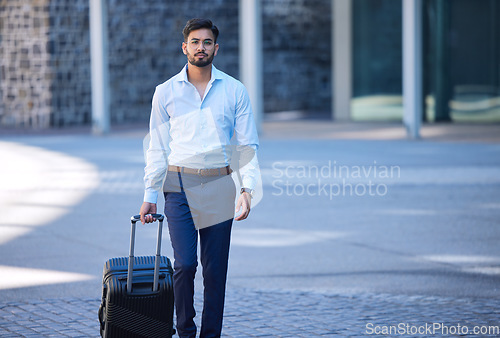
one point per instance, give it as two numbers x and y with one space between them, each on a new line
461 60
45 71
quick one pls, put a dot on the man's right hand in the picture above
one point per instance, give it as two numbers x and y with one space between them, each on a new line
146 209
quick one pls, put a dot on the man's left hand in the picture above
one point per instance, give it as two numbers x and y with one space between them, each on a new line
244 202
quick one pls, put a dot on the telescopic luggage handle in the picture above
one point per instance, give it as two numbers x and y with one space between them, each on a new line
135 219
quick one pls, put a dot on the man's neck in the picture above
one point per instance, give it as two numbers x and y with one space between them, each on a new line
199 74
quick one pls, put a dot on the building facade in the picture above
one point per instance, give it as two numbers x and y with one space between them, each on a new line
45 57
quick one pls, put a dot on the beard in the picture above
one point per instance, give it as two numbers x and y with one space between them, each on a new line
200 62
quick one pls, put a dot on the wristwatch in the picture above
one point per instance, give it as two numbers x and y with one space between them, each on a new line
248 190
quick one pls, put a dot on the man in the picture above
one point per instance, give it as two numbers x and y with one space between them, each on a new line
194 116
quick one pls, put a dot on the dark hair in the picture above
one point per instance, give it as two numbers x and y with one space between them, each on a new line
195 24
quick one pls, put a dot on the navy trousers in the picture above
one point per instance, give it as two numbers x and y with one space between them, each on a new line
214 255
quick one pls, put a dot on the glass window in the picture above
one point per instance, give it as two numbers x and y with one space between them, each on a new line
461 60
377 60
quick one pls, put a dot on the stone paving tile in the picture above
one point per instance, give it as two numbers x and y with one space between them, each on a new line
272 313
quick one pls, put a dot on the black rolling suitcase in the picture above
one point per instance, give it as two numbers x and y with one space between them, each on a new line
137 293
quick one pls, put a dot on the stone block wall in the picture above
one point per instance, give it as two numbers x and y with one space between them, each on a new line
297 55
45 63
24 83
69 49
45 56
145 40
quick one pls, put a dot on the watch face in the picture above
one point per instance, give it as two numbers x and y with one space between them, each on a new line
250 191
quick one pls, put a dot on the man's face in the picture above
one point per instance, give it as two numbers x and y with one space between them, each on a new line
200 47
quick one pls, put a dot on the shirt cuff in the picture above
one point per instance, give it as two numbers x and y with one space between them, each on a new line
151 196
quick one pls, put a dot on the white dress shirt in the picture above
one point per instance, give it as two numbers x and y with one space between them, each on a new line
194 132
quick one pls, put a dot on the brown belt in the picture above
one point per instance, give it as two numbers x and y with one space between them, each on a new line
202 172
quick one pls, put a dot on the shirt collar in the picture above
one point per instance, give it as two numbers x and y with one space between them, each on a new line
183 77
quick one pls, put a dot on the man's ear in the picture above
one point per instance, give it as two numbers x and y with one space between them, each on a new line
184 46
216 49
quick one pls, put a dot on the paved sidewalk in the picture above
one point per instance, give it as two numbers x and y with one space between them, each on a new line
277 313
325 129
425 253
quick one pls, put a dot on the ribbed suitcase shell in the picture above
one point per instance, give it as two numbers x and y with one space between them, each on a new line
143 313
